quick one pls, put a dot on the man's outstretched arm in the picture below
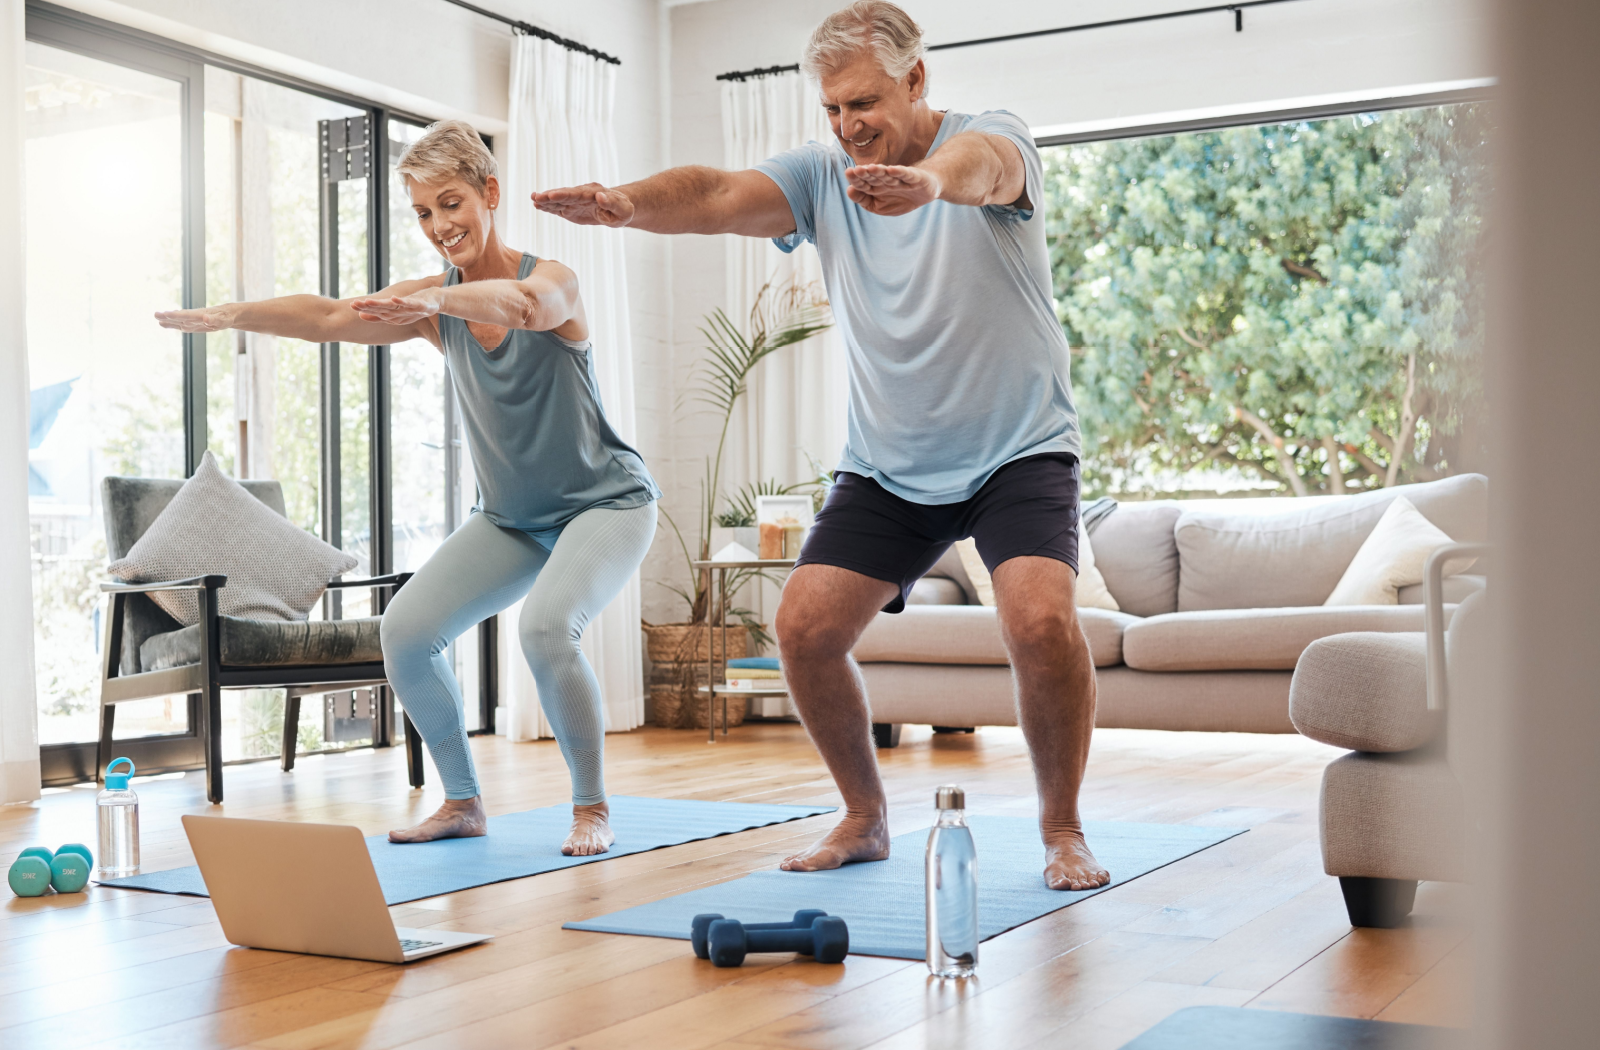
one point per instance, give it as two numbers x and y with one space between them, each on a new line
691 199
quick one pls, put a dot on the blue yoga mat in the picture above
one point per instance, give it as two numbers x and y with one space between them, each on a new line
883 902
523 844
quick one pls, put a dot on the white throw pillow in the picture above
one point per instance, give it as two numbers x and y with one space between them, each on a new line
1392 557
1091 592
275 570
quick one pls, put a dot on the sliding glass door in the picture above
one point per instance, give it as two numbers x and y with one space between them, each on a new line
104 166
159 177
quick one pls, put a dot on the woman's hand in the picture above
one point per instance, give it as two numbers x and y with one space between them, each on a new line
401 309
205 319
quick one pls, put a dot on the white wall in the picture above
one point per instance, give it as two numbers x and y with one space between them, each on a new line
19 737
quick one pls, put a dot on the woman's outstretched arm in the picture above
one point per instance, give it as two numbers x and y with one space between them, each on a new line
544 301
313 318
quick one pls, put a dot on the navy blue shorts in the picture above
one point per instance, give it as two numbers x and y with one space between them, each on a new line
1027 507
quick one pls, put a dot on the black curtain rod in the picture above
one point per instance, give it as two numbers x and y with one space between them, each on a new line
1238 27
543 34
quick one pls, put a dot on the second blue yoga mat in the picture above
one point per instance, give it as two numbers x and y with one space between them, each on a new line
883 902
522 844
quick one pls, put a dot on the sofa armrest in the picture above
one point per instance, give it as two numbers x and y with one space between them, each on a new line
1433 615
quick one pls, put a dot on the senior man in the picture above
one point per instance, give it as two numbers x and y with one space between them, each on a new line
961 420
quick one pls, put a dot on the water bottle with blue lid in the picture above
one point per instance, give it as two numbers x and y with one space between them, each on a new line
119 823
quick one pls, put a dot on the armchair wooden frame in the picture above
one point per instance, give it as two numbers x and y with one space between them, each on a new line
204 680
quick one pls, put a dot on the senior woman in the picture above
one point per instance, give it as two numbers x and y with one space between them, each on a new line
566 510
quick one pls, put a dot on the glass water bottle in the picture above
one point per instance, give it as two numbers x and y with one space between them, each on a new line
118 810
952 888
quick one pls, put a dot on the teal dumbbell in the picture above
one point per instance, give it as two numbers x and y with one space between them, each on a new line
69 871
29 875
37 851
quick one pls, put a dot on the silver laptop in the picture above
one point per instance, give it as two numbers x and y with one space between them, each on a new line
305 888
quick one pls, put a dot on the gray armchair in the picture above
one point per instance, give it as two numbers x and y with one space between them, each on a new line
149 654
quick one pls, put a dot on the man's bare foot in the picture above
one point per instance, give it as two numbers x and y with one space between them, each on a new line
591 831
1068 864
458 818
855 838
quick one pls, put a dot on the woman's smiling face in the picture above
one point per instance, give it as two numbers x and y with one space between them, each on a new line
456 217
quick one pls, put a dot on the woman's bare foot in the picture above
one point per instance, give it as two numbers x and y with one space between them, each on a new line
855 838
458 818
591 831
1068 864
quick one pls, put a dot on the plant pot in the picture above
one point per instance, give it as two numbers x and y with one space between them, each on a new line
678 654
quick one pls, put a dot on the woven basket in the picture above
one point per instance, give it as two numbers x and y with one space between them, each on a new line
678 654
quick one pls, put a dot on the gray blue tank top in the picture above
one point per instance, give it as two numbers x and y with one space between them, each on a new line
541 446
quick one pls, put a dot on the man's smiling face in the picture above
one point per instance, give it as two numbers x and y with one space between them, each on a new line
872 114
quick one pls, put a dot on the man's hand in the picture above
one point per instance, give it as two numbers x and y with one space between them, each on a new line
205 319
588 205
891 189
401 309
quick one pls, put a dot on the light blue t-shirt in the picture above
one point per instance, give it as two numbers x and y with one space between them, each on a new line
957 362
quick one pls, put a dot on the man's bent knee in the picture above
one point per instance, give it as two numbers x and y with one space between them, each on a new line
1043 634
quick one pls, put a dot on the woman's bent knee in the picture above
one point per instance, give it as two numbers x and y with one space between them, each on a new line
548 639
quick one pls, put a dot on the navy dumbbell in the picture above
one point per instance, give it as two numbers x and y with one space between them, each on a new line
729 941
697 929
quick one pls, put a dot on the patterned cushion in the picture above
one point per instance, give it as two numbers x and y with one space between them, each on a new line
270 643
275 570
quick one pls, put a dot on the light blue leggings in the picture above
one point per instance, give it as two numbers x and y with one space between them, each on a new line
478 571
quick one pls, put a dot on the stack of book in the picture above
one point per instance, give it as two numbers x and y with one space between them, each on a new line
754 672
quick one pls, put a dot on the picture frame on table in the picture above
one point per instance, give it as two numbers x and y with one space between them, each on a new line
783 522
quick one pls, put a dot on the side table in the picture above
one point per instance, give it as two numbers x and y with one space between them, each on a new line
712 689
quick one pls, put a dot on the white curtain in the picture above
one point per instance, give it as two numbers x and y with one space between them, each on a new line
561 134
794 413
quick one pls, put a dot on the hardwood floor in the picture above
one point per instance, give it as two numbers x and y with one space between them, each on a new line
1251 922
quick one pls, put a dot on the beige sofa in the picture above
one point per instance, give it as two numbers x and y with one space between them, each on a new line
1218 600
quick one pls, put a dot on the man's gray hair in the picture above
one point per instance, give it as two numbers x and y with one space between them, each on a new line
875 25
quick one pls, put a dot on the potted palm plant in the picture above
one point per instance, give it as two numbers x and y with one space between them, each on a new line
782 316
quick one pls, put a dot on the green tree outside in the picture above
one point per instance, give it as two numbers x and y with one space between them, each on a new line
1298 302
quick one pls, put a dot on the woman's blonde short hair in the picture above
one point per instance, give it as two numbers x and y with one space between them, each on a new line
448 149
876 25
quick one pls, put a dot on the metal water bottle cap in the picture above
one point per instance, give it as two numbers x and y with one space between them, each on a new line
950 796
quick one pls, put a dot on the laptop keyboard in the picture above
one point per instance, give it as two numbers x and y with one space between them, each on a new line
408 945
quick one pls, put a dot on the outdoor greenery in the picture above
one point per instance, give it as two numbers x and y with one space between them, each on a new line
1297 302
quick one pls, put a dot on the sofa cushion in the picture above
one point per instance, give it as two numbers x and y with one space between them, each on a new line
1251 639
1204 702
1457 589
949 567
1136 553
1258 554
1391 557
936 590
970 634
270 643
1364 691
